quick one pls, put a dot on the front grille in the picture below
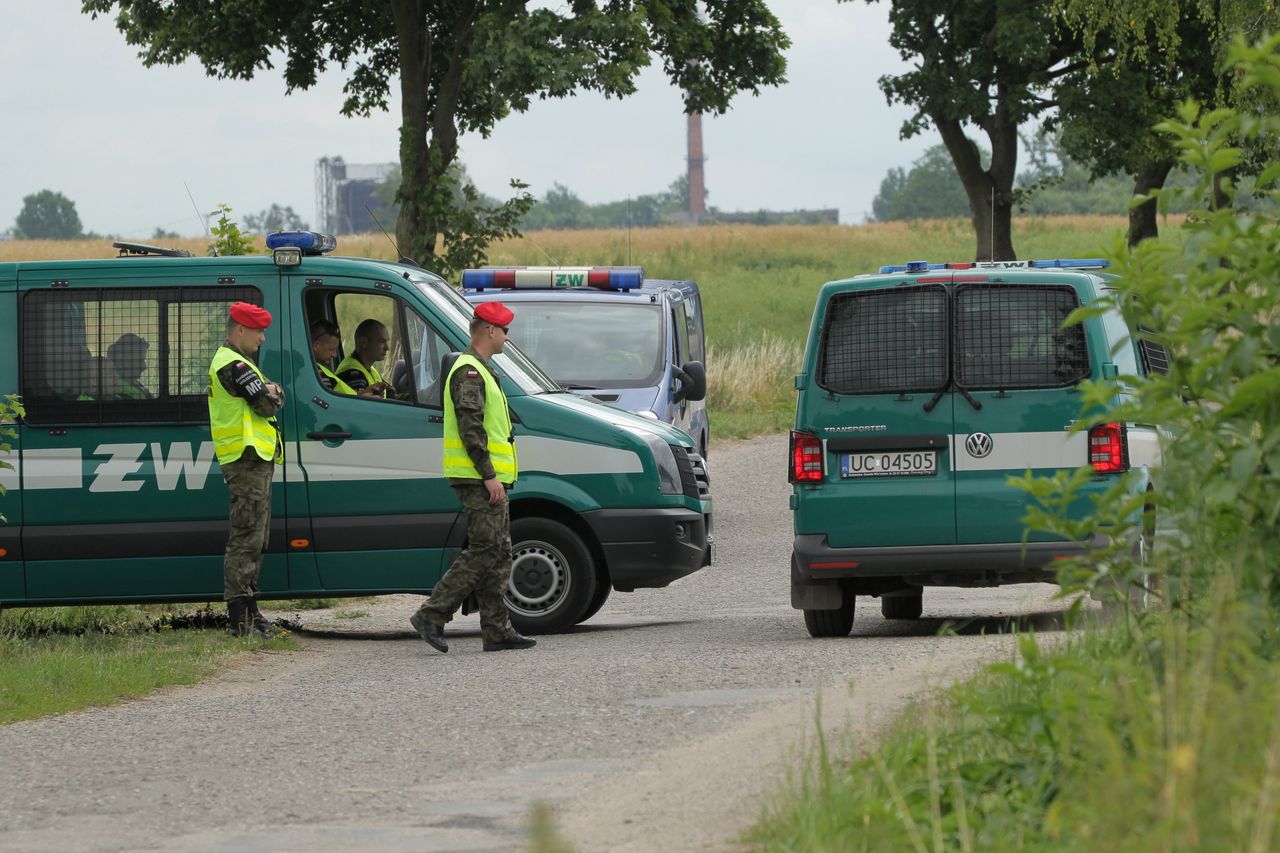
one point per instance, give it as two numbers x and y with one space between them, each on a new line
695 479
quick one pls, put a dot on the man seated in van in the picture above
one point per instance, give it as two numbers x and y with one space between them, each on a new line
325 339
100 381
358 370
129 355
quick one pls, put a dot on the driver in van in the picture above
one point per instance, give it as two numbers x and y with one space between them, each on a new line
358 370
325 339
242 408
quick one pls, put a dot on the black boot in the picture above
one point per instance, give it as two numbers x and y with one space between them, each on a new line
261 623
241 619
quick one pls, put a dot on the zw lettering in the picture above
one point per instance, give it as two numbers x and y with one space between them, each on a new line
126 460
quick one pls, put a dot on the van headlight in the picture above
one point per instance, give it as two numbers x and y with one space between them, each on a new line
668 471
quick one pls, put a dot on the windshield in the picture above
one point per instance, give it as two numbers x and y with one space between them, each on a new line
513 363
593 344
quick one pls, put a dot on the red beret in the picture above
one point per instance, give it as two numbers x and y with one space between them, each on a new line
495 313
250 316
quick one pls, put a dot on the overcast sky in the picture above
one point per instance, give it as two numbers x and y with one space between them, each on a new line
82 117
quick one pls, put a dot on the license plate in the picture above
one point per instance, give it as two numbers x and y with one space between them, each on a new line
898 463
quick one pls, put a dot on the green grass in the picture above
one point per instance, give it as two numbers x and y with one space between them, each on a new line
54 660
1107 743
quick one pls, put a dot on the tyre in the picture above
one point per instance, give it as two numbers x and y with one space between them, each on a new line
831 623
597 601
553 579
902 606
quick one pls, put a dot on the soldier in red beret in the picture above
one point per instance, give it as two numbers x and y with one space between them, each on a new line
246 439
480 462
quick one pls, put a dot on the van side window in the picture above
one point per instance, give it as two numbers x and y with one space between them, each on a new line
682 333
1011 336
122 355
426 349
1155 358
693 317
884 341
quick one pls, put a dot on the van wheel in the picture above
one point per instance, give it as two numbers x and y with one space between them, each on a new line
831 623
908 606
553 580
597 601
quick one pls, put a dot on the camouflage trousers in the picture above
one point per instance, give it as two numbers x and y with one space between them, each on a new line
249 484
484 568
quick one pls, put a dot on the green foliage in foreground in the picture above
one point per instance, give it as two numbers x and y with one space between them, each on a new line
54 660
1161 732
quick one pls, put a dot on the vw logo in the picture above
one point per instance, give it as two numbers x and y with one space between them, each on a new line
979 445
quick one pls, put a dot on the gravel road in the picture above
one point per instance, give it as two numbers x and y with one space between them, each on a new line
661 724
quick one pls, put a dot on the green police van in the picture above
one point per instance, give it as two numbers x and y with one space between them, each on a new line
923 389
116 496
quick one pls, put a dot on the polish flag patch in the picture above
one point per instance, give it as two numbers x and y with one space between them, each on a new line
472 373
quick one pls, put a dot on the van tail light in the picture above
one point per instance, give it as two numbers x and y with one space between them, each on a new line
806 458
1109 449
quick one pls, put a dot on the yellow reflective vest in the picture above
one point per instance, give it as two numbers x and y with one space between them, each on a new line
371 374
339 387
497 426
233 423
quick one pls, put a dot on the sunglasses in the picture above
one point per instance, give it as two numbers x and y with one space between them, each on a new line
506 330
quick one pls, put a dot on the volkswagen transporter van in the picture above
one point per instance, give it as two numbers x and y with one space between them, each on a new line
923 389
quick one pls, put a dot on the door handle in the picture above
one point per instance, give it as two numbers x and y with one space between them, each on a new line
329 436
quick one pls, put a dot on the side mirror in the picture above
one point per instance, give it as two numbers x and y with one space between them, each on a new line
693 381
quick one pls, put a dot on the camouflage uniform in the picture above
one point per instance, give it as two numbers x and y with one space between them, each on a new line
249 484
484 568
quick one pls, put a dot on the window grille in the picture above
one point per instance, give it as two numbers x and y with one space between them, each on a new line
885 341
119 355
1155 357
1011 336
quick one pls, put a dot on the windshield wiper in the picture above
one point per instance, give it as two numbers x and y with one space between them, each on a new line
570 386
948 385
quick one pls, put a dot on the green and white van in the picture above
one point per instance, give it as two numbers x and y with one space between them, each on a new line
116 496
923 389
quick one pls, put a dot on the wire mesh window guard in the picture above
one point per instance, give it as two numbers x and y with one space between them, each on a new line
883 341
1011 336
120 355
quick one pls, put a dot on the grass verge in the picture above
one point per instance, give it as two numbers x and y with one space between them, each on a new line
56 660
1162 739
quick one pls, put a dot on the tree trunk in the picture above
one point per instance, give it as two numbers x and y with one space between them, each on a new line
1142 219
415 234
425 199
990 191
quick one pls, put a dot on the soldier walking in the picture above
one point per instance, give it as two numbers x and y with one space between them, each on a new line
246 439
480 462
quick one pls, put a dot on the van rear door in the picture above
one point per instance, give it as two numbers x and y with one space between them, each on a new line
884 414
1022 367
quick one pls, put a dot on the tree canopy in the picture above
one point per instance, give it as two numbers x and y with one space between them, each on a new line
47 215
461 66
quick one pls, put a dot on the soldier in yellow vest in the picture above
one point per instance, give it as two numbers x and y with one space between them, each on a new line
480 462
247 442
325 339
359 370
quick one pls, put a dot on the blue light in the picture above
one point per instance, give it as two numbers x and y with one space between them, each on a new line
477 279
1071 263
886 270
626 278
917 266
309 242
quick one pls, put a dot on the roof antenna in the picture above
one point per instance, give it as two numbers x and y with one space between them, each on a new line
213 250
554 262
404 259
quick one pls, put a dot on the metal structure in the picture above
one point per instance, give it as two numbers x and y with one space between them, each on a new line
344 194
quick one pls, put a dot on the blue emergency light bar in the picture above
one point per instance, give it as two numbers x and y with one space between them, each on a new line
553 278
307 242
1056 263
